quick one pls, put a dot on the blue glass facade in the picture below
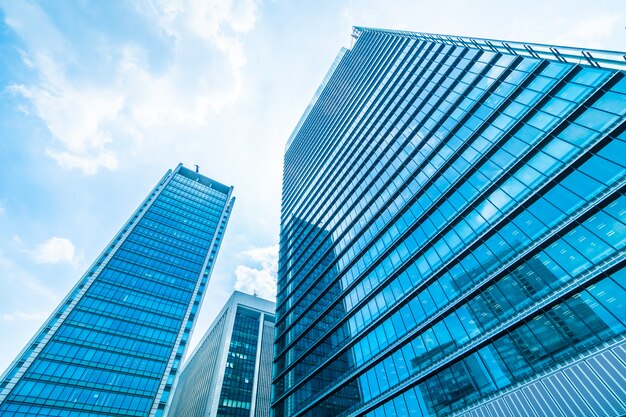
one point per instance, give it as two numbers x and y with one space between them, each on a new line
114 345
452 233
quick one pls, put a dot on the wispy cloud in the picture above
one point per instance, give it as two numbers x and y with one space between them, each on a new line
99 108
23 316
23 287
593 31
54 250
258 276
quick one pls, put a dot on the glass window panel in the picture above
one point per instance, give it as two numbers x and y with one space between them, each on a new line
578 135
496 367
588 244
612 102
612 297
590 76
596 119
573 92
602 170
608 228
602 322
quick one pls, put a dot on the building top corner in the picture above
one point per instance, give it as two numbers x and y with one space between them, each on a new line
599 58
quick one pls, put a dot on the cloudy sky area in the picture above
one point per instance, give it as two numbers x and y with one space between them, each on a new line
99 98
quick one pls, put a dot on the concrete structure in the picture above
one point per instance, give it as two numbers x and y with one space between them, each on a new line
229 373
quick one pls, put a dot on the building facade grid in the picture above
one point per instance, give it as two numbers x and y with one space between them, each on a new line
452 227
114 345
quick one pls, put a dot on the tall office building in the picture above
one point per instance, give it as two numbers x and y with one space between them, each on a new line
230 372
114 345
453 231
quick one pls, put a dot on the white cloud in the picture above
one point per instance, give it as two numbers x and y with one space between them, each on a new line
25 302
99 109
592 31
21 285
22 316
54 250
259 278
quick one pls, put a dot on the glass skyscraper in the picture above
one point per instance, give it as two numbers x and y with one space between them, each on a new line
453 233
114 345
230 372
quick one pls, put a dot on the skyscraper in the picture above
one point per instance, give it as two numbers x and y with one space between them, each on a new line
114 345
230 372
453 231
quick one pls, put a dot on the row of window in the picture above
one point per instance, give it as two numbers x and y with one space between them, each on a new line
368 189
182 204
163 254
91 377
110 341
583 320
599 237
197 188
127 296
236 396
23 410
174 231
473 317
175 222
120 326
437 192
593 315
177 210
152 282
342 96
360 166
126 312
605 166
176 272
552 73
140 232
598 167
168 245
416 80
75 397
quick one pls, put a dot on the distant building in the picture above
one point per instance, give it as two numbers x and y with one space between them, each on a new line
230 372
453 233
114 345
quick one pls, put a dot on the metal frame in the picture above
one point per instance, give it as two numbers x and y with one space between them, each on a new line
597 58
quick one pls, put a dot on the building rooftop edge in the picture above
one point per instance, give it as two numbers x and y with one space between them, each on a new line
253 301
236 298
318 92
196 176
598 58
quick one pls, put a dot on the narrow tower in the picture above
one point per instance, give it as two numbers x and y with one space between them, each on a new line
114 345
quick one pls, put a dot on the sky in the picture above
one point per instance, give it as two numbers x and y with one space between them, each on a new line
99 98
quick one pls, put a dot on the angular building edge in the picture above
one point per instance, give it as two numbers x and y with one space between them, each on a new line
80 284
309 144
35 345
210 263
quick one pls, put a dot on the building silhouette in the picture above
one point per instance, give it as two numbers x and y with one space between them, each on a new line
114 345
453 233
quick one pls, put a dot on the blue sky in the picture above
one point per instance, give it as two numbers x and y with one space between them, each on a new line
99 98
